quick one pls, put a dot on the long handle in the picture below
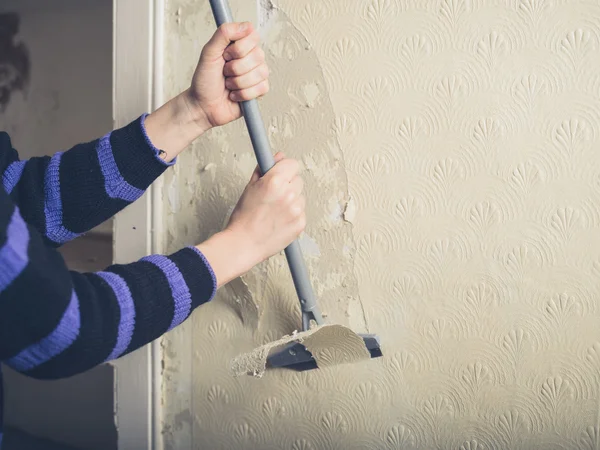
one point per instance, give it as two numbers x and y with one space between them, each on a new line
264 156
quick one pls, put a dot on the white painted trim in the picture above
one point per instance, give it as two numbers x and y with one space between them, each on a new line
133 48
157 221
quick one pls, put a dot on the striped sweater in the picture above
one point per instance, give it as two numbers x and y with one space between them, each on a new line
55 323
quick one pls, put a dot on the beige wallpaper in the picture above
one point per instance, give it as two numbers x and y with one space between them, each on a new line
452 162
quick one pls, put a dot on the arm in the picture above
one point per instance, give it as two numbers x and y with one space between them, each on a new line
55 323
70 193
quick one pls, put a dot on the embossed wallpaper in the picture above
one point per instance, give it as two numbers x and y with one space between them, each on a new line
451 152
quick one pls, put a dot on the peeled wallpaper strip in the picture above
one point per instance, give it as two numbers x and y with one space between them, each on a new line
330 345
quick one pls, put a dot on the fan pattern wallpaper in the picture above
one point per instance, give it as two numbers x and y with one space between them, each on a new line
451 152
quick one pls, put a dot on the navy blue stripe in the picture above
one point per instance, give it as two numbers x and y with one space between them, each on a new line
135 157
179 290
59 340
152 300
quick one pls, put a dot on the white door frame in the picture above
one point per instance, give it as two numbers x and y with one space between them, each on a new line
137 88
138 48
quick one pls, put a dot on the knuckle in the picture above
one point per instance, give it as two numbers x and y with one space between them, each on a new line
274 182
290 197
297 208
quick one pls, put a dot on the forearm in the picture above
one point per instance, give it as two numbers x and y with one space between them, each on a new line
55 323
230 255
70 193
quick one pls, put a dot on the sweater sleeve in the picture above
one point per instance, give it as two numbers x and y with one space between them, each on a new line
55 323
70 193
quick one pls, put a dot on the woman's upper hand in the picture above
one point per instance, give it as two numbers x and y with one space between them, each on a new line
231 69
269 215
226 74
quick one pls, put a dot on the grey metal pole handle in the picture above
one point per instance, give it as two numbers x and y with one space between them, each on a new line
264 156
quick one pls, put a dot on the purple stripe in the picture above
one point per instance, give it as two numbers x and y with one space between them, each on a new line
182 298
12 175
55 230
127 320
13 254
114 183
52 345
210 271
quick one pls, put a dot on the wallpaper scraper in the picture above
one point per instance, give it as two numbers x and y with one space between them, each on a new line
294 355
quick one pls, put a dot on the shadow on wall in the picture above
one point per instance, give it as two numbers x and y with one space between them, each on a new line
14 59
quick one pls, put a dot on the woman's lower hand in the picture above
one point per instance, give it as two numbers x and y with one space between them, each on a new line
268 217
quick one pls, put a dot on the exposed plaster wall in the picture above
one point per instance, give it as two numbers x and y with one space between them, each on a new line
453 179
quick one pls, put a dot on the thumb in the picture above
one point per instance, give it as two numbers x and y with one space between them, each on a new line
257 173
225 35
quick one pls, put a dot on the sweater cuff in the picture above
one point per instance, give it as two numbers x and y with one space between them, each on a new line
136 158
197 273
154 149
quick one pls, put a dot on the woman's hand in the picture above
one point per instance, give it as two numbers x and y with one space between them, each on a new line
227 73
268 217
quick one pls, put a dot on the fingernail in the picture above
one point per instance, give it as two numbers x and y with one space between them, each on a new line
227 57
243 26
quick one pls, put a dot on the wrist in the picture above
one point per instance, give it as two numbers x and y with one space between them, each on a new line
196 113
172 128
229 254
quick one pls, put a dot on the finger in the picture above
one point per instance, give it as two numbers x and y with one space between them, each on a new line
251 93
224 35
257 172
249 79
244 65
242 47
